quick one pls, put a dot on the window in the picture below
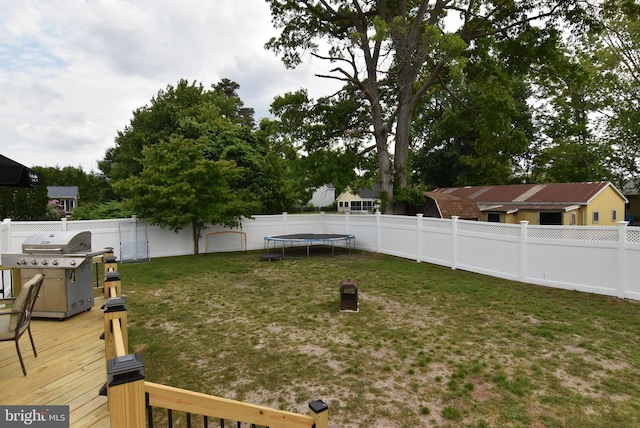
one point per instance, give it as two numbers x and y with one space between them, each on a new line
493 217
550 218
596 216
614 215
367 205
356 205
572 219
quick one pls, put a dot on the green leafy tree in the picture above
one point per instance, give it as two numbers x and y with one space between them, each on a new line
178 187
477 129
395 52
620 52
105 210
218 118
572 93
26 203
235 110
317 138
93 187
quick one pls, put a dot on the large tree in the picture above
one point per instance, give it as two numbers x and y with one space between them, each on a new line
394 52
216 117
321 137
621 54
179 187
477 129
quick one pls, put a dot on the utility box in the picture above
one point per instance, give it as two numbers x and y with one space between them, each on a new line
349 295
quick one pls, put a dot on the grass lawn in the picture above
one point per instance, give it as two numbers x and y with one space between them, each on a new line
429 347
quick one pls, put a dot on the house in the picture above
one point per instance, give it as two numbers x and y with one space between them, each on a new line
67 196
632 212
366 200
323 196
446 205
592 203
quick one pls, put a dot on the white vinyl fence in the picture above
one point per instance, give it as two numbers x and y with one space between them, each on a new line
602 260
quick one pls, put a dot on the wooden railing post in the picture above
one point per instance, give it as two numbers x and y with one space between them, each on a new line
110 263
115 311
319 411
112 285
126 391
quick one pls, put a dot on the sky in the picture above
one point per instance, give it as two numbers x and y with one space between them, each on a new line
73 71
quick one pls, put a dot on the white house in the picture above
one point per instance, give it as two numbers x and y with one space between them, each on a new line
67 196
323 196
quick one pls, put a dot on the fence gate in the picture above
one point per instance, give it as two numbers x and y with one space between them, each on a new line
134 245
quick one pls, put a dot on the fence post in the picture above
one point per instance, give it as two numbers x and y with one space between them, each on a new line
64 224
115 308
378 217
419 227
523 249
134 226
125 378
319 411
112 281
5 237
284 222
454 241
110 263
622 245
346 221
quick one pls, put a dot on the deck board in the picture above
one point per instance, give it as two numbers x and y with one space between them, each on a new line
69 370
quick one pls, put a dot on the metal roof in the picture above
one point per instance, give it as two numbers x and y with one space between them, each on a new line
450 205
550 193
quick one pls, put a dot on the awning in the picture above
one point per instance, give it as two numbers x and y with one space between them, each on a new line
14 174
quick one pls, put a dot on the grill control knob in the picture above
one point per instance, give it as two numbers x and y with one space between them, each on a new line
22 262
55 262
45 262
34 262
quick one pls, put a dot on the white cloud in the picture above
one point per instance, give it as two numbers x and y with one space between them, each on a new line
72 72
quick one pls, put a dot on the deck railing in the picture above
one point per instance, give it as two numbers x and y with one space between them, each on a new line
131 399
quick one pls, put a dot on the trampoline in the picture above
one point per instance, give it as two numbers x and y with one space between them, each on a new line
308 239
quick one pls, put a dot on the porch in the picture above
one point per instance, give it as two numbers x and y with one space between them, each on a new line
69 370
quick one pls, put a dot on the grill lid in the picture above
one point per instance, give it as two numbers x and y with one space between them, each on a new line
66 242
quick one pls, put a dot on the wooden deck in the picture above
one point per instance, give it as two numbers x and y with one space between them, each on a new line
69 370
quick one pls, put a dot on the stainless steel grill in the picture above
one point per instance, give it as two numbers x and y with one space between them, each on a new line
65 260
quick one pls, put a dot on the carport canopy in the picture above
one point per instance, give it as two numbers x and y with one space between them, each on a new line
14 174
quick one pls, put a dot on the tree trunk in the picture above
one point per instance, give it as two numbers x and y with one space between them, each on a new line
403 138
381 135
197 229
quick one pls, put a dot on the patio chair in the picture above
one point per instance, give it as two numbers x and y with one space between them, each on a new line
16 320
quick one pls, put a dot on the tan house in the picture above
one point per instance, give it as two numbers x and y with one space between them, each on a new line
592 203
366 200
